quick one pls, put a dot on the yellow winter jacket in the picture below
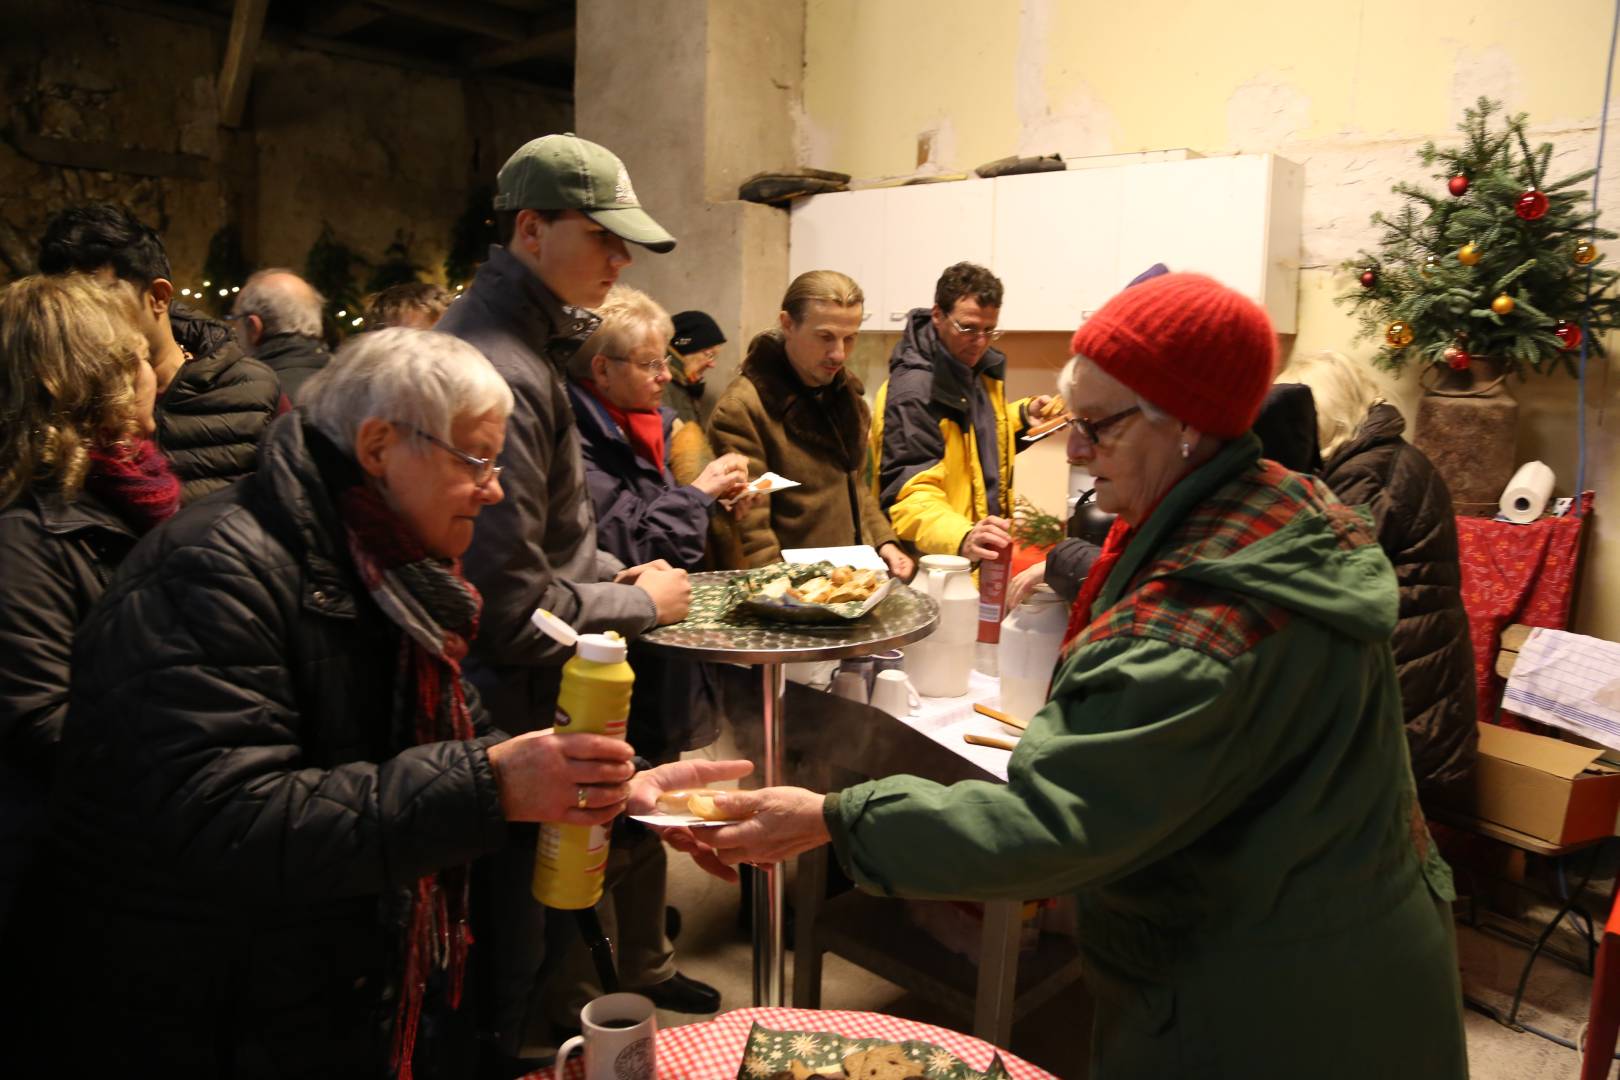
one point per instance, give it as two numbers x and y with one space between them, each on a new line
929 473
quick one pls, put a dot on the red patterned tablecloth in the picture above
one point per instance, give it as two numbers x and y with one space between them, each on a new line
713 1050
1515 574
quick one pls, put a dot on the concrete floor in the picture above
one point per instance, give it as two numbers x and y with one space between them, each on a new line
714 949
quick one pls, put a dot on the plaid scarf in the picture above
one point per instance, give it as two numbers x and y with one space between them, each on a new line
1114 544
438 611
136 481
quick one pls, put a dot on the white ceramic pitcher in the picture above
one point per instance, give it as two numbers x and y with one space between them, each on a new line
1031 636
939 665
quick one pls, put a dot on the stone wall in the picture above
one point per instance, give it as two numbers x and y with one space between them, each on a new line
373 149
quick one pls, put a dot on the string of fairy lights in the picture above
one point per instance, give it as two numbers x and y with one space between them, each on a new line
356 321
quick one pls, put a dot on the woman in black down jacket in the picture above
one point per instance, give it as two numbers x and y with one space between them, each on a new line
1367 461
80 481
274 782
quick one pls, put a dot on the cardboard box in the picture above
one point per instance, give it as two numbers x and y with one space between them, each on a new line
1551 789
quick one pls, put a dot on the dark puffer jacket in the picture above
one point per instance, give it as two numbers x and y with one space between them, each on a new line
211 416
56 558
237 799
294 358
1418 531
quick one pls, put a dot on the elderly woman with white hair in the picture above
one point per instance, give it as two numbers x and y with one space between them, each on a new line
1367 461
274 783
1220 775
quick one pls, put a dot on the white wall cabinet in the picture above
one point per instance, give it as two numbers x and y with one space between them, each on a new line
1064 242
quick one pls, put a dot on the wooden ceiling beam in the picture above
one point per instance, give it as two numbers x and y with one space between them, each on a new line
241 49
342 19
552 44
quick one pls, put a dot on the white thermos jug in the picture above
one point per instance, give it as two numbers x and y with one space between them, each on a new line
939 665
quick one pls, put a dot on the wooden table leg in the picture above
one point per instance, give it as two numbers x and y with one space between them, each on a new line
998 972
808 893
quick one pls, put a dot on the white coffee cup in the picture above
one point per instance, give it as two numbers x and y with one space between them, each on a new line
619 1033
850 684
893 693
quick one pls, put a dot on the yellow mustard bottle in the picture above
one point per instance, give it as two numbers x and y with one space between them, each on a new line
570 860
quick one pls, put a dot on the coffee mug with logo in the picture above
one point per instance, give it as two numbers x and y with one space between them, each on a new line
619 1033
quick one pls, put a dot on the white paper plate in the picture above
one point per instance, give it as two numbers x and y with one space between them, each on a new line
691 821
777 483
860 556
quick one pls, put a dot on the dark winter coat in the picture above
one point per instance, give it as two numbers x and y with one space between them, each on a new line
1418 530
238 793
56 558
212 414
537 547
691 401
816 436
642 514
294 358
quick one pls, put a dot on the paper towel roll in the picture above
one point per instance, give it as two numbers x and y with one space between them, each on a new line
1528 493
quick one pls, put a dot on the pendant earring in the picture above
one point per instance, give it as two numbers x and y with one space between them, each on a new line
1186 451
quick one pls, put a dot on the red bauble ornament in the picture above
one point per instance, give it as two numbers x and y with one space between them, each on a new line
1531 205
1456 358
1569 334
1458 185
1369 278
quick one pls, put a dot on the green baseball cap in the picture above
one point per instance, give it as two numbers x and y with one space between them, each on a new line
566 172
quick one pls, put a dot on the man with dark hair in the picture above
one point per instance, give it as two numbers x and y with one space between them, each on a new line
278 322
943 433
213 402
566 210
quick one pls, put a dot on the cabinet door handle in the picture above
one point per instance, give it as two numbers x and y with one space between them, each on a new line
865 315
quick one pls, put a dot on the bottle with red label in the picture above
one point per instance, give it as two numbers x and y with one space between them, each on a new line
994 576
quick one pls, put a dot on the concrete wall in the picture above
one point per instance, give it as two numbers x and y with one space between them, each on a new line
372 149
696 96
1350 90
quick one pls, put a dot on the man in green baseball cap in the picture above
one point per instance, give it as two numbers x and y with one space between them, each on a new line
566 172
565 214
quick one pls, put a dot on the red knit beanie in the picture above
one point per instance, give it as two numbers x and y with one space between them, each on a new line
1200 351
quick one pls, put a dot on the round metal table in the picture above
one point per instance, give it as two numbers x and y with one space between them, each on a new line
904 616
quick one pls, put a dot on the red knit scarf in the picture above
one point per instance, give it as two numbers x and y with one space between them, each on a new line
644 428
136 481
1114 544
438 611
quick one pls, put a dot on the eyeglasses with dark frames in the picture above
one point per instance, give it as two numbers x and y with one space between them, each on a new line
976 331
1092 429
484 470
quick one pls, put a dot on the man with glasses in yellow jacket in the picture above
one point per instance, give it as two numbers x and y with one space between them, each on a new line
943 433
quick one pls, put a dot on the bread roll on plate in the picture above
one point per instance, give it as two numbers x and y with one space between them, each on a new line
698 802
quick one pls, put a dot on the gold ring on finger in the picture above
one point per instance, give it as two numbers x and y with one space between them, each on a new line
581 796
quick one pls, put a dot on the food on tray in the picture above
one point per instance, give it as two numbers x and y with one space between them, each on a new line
882 1063
698 802
845 583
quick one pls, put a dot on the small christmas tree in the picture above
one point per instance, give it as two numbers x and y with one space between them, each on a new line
1502 265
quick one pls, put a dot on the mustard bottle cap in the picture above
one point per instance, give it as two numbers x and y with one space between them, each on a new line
607 648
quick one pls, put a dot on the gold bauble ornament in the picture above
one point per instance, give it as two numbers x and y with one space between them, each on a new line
1585 252
1399 335
1468 254
1503 304
1431 263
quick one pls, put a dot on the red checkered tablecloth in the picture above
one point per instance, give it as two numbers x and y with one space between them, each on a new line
713 1050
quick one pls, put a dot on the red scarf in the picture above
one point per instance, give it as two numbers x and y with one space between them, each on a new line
1114 544
644 428
136 482
438 611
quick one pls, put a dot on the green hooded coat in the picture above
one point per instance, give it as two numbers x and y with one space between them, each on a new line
1220 776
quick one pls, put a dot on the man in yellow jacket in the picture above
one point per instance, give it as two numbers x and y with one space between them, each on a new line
944 434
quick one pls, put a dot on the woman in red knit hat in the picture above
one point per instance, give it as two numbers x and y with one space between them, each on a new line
1220 773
